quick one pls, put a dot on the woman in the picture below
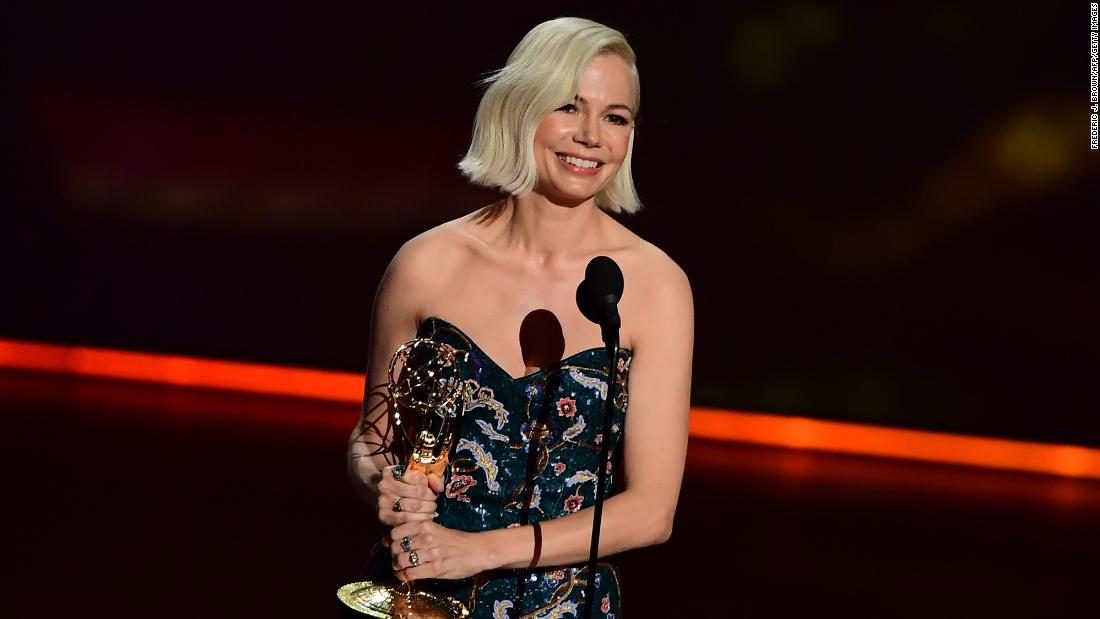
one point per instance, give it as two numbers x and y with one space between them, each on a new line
553 132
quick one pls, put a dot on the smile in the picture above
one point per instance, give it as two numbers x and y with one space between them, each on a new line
579 166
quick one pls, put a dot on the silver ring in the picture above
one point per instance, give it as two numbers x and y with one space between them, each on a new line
397 505
398 470
414 558
407 543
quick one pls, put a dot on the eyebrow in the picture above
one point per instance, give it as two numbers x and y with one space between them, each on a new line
613 106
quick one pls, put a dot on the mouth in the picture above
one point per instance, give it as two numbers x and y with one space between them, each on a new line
580 166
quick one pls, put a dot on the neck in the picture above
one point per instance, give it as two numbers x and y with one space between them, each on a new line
545 231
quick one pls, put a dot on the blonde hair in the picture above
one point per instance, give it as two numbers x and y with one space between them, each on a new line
541 74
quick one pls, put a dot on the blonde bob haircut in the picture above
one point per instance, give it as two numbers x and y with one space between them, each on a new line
542 74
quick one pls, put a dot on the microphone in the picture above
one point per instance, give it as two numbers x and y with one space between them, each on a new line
598 299
598 296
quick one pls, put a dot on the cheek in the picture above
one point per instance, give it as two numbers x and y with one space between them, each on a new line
550 132
621 144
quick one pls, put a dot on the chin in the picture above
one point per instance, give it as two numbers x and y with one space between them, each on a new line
578 191
568 193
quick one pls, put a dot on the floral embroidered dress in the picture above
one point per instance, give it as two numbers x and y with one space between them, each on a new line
545 427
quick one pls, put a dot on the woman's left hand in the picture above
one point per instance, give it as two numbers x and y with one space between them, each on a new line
440 552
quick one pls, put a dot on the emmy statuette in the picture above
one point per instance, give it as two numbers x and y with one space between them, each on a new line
430 389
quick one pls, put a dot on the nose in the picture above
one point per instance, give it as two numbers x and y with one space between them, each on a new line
589 131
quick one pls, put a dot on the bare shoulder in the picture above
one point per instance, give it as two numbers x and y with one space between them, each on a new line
421 265
428 255
651 263
658 273
665 270
663 306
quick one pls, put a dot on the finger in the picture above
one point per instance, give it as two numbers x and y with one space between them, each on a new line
385 509
435 483
424 570
415 478
410 529
388 472
404 560
412 484
397 546
393 519
394 490
410 505
388 486
410 510
389 479
417 491
396 503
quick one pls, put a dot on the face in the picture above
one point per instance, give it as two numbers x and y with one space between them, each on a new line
595 127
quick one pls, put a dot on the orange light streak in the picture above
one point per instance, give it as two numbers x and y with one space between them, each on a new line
868 440
182 371
706 423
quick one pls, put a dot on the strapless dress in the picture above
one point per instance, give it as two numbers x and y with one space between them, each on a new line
486 485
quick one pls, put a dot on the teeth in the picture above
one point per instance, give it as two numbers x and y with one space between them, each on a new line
581 163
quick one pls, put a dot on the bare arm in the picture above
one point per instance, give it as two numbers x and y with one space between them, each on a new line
373 444
654 453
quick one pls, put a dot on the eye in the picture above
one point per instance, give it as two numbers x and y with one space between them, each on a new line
567 107
618 120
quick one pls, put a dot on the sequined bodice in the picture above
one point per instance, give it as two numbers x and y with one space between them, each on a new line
557 411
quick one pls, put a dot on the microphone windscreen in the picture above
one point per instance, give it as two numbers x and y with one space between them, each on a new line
604 279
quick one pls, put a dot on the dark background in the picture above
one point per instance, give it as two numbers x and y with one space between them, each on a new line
884 211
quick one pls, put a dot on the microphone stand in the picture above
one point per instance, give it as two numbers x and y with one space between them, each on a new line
610 329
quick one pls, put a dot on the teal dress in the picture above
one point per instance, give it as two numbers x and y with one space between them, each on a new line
498 480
